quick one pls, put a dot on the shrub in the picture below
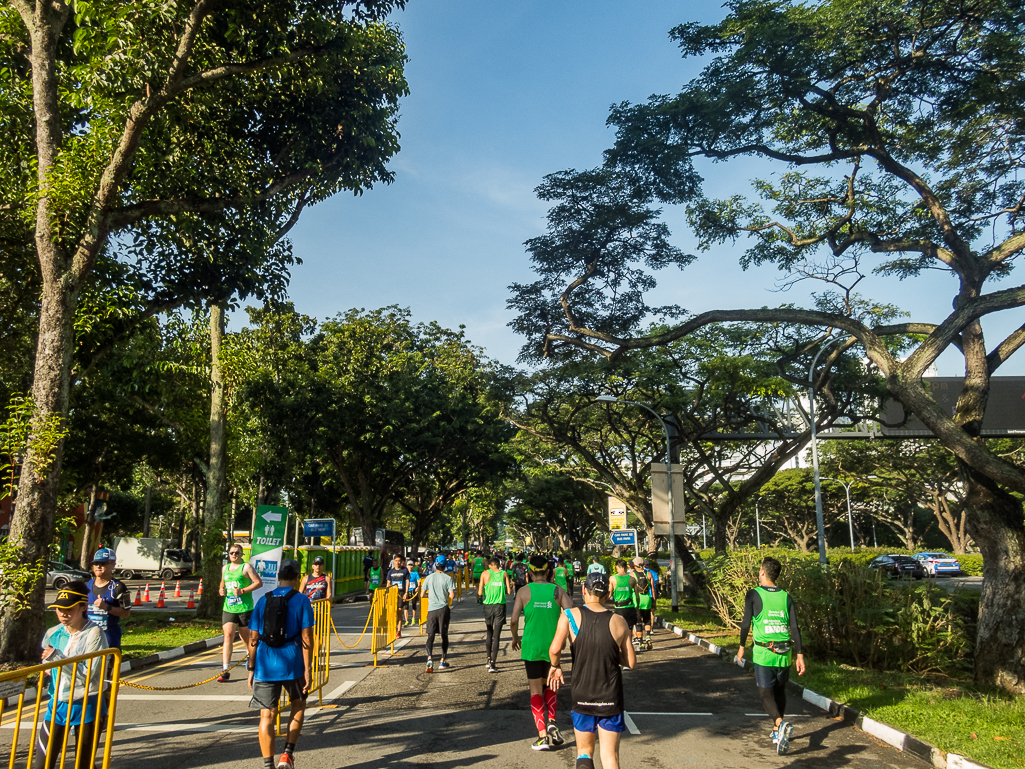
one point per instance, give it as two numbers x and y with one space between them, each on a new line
971 564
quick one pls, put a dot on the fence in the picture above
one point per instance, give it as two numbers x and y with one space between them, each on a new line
101 671
384 620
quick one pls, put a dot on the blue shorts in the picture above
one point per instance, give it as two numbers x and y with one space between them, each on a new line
592 724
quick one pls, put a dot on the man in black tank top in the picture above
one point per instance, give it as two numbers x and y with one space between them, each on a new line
600 640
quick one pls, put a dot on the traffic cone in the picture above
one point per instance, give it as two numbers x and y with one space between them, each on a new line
146 598
138 598
161 586
160 600
178 589
192 602
200 591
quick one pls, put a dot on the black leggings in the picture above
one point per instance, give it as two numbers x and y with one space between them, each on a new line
83 746
494 619
437 622
772 686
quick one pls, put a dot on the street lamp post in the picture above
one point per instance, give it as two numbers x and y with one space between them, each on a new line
850 518
758 527
669 479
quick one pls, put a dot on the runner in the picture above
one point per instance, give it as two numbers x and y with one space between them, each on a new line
519 572
478 567
398 576
109 600
373 578
624 595
776 638
493 587
645 603
238 583
412 594
540 603
283 620
316 585
571 573
440 590
600 646
596 566
561 575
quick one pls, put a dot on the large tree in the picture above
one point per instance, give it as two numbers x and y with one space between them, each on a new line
896 127
135 122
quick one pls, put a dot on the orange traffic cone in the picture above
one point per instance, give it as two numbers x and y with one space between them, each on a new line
161 586
200 591
192 601
138 598
178 589
160 600
146 598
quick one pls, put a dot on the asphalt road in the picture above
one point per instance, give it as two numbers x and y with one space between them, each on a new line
686 708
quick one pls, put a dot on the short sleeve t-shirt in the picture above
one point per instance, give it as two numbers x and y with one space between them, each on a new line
437 587
114 593
398 578
285 663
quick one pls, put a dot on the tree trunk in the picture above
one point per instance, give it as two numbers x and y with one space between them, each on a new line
995 523
84 555
36 509
147 510
216 472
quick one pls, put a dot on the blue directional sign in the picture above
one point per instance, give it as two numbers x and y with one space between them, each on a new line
624 537
319 527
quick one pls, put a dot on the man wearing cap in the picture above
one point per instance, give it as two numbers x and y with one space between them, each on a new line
600 641
439 589
316 585
645 603
109 600
286 667
75 635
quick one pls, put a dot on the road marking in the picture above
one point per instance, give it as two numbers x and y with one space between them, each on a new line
630 725
185 698
177 728
338 692
649 713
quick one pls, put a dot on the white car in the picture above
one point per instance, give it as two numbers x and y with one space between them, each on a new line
936 564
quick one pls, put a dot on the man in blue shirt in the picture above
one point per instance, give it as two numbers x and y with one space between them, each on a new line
273 668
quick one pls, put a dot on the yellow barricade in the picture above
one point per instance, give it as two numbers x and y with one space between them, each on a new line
320 657
384 620
423 613
91 679
459 584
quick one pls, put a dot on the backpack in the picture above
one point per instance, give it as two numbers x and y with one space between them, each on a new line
275 621
520 571
642 582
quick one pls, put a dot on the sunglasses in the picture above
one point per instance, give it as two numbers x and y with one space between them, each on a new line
234 552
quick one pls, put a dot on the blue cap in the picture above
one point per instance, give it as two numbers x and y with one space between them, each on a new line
105 555
440 560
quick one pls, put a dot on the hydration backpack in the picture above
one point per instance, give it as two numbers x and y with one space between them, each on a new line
275 621
642 582
520 572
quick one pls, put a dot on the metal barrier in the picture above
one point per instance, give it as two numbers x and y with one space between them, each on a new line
102 673
320 658
459 584
384 621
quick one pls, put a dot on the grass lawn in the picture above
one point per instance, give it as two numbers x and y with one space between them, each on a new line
148 632
948 713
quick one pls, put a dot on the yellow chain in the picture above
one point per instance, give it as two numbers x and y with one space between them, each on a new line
177 688
369 615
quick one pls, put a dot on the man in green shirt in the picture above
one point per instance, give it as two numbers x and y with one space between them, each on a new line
776 639
238 583
540 604
645 603
492 588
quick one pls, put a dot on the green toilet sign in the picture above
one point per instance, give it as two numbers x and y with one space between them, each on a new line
268 545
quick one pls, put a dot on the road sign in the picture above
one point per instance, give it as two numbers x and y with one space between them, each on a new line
617 514
660 499
268 546
319 527
625 537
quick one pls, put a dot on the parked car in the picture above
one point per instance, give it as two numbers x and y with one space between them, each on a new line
897 566
58 575
938 563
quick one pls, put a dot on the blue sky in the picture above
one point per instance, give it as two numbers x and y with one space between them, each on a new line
502 94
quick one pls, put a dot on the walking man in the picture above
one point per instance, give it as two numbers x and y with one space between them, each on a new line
540 603
776 639
398 577
600 643
493 587
624 594
238 583
283 621
645 603
439 589
595 566
109 600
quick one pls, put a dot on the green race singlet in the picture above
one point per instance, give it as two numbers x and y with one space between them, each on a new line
235 577
540 619
560 578
622 597
772 624
375 578
644 599
494 591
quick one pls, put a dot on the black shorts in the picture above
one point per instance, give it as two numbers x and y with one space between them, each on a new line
437 621
267 693
401 600
537 668
494 614
771 677
241 619
644 616
628 613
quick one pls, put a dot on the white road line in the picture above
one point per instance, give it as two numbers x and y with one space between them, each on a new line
649 713
186 698
630 725
177 728
339 691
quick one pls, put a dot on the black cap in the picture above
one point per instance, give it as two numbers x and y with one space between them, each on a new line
597 583
72 594
289 569
319 560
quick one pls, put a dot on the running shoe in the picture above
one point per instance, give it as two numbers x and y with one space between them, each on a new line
783 733
430 666
773 736
541 743
286 761
554 735
443 665
224 677
492 668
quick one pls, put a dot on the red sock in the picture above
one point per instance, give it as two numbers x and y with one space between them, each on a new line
550 703
537 708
